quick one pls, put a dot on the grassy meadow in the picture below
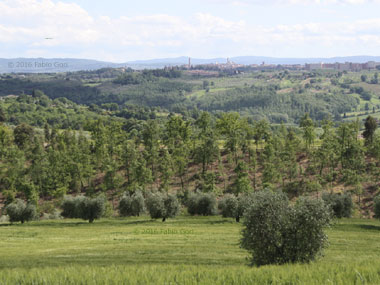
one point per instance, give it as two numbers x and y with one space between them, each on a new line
185 250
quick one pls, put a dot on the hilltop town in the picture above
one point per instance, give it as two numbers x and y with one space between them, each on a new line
228 65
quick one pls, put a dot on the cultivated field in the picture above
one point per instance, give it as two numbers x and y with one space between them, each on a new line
185 250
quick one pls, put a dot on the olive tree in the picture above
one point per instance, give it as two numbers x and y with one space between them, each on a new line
376 206
131 205
19 211
340 204
231 206
276 232
203 204
83 208
162 206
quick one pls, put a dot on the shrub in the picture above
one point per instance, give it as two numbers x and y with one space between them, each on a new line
305 236
201 204
231 206
19 211
162 206
228 206
171 207
4 219
131 205
55 215
340 204
71 207
376 207
108 210
276 232
83 208
92 209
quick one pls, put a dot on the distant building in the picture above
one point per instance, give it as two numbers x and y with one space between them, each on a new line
314 66
344 66
347 66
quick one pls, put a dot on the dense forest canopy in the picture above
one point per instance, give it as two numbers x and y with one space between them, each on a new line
278 96
92 132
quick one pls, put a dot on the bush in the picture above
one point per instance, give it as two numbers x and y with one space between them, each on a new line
71 207
231 206
131 205
55 215
276 232
4 219
19 211
162 206
203 204
92 209
376 207
340 204
83 208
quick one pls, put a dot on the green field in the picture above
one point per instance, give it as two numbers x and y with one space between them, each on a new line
185 250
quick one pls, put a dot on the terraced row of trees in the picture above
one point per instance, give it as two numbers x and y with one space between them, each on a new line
224 154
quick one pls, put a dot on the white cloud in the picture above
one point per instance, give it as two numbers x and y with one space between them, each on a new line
294 2
26 23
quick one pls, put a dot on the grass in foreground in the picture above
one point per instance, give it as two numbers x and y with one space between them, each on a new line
185 250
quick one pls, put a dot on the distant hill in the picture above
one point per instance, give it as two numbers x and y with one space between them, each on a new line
274 60
44 65
159 63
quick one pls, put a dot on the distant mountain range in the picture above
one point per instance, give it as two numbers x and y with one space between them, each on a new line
44 65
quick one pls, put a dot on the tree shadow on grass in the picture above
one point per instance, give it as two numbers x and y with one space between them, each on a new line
138 222
221 222
73 223
57 224
369 227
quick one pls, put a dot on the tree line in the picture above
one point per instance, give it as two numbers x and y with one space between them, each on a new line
225 154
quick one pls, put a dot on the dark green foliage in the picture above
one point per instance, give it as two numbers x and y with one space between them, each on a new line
228 206
171 207
60 113
83 208
155 205
231 206
92 208
376 207
340 204
276 232
71 207
161 205
242 183
133 78
365 95
19 211
23 135
203 204
131 205
305 238
3 117
165 88
370 129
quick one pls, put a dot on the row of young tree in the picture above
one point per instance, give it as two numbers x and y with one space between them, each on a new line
225 154
163 205
275 231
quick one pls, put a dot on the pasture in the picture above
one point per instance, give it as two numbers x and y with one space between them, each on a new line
184 250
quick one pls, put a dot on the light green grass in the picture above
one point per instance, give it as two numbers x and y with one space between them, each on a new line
185 250
200 93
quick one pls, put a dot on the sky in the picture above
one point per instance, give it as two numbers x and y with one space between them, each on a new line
125 30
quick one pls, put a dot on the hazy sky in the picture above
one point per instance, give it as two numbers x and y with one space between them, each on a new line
123 30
